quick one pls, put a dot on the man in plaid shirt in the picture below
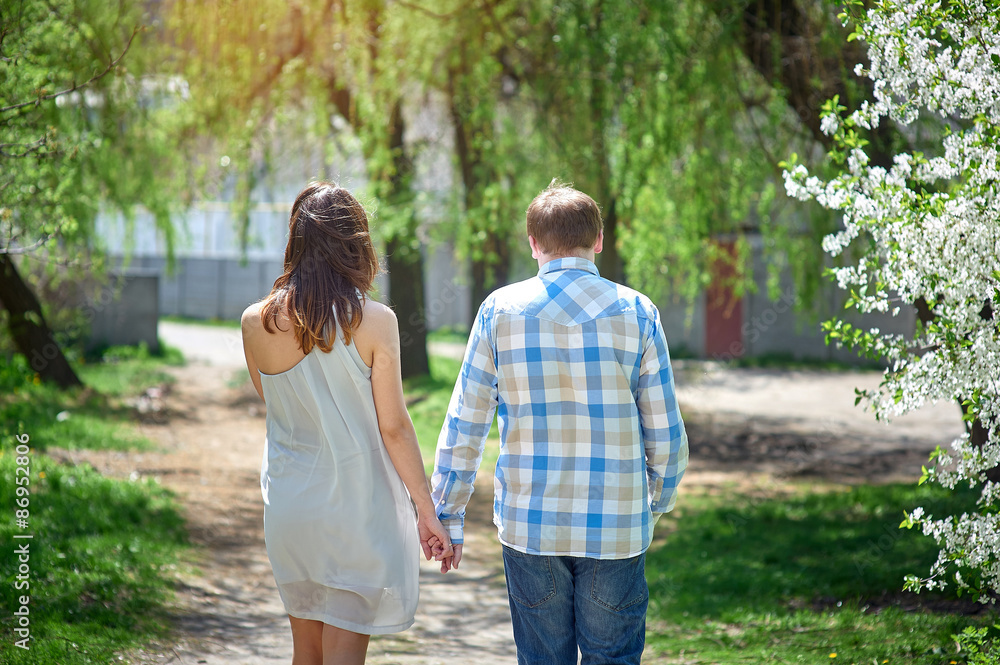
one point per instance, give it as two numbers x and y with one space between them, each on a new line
592 445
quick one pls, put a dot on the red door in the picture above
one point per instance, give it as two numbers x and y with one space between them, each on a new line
723 310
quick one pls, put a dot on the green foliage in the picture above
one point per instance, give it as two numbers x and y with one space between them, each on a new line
327 78
978 647
783 576
652 108
79 125
499 165
101 558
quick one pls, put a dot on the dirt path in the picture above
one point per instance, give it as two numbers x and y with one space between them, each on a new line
210 432
746 427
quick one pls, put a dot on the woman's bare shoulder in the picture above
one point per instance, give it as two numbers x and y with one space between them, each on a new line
379 312
250 321
378 329
253 322
378 320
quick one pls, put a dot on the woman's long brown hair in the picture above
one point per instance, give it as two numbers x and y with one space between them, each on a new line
330 264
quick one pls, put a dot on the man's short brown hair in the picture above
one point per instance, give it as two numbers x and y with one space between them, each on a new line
563 219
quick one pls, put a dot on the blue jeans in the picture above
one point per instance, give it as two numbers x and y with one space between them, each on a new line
559 603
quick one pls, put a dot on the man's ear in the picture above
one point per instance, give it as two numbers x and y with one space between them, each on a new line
536 253
599 245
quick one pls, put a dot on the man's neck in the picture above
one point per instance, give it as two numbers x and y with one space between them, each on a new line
544 258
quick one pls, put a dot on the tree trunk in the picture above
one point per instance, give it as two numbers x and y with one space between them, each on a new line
492 269
406 293
783 43
31 333
608 262
490 272
979 435
406 263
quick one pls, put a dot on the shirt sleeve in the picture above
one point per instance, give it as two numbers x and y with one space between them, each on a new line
663 431
466 426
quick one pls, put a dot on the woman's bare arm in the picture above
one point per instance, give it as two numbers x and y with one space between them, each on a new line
382 333
252 329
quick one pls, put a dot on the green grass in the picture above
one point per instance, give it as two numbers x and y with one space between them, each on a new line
100 562
221 323
102 550
82 418
795 578
454 334
128 370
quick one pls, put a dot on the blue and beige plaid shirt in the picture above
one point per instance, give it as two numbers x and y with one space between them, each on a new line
592 445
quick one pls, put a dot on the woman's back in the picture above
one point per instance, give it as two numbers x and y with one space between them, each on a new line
322 396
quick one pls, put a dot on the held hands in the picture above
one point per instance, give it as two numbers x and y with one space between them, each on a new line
451 561
435 543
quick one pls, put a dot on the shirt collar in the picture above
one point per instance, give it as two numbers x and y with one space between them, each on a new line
568 263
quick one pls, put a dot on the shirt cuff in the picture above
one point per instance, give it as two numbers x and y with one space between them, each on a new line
455 530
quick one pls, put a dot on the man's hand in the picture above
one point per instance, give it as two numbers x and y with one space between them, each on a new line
451 562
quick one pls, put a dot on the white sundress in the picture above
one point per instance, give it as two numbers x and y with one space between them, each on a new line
339 526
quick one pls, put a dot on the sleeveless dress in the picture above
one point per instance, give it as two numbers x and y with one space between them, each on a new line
339 526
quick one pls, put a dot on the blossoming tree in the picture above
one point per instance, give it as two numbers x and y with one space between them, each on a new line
925 231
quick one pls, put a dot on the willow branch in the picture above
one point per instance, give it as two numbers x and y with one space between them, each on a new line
429 12
28 148
75 87
25 250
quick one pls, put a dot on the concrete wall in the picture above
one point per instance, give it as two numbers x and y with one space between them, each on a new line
126 312
446 289
684 326
209 288
221 288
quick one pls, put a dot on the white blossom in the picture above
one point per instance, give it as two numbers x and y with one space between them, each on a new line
931 232
829 124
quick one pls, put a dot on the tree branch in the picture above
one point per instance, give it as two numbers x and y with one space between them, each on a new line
25 250
29 148
111 65
423 10
500 28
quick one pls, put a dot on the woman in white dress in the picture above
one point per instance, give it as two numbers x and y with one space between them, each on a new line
342 473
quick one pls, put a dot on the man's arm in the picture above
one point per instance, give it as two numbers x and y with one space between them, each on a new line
660 418
466 426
